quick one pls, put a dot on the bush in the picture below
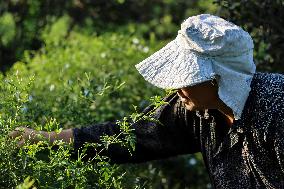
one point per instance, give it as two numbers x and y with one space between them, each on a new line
74 82
78 80
29 18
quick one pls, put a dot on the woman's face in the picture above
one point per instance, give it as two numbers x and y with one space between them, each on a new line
199 97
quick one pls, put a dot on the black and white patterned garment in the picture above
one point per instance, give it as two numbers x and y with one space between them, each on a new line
250 154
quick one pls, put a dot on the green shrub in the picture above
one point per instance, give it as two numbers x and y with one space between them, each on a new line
77 80
30 18
87 80
7 29
84 80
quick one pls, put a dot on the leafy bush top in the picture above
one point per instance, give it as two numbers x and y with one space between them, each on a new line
78 81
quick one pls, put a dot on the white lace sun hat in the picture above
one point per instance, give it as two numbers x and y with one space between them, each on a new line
206 47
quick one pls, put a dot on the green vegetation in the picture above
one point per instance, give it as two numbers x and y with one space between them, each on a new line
73 65
22 23
74 81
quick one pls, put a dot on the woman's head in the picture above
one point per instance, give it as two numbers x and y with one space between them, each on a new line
201 96
205 46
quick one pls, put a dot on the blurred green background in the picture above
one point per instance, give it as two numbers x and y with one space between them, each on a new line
77 48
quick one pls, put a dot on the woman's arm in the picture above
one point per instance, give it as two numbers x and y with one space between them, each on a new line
174 136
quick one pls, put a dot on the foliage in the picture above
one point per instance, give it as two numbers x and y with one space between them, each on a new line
28 20
74 81
83 79
28 183
264 21
7 29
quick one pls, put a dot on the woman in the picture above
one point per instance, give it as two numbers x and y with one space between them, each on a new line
222 108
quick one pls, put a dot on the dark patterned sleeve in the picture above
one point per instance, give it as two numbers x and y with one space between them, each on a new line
153 140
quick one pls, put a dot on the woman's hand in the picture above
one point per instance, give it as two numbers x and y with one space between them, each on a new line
32 136
24 135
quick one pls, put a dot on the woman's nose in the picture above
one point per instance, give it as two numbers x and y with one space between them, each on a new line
182 96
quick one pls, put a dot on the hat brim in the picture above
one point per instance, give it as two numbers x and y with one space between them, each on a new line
173 67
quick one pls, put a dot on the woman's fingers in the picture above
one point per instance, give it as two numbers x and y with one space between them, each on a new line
21 143
17 132
21 133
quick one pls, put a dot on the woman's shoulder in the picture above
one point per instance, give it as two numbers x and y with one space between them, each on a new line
267 88
267 83
267 79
